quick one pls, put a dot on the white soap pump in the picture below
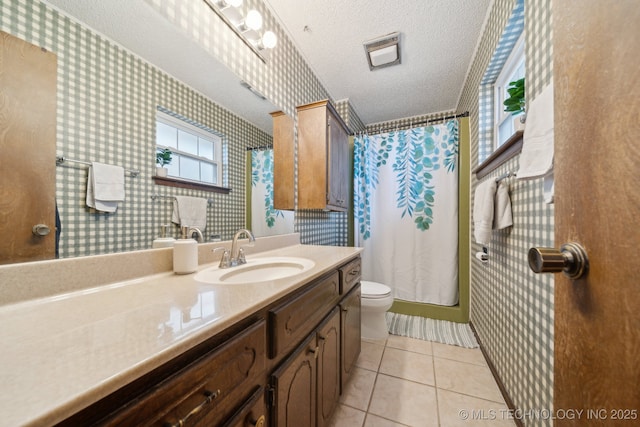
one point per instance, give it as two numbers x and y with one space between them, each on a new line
163 241
185 253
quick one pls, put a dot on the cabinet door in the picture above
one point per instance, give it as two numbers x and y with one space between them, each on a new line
328 367
338 158
253 413
294 388
350 325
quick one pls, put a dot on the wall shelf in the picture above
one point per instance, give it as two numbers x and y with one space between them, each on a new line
511 148
173 182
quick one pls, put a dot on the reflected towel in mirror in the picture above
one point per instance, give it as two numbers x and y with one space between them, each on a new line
190 211
105 187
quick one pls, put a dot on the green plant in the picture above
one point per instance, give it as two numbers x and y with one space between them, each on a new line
163 157
515 104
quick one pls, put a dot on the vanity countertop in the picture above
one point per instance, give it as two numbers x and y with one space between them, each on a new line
62 353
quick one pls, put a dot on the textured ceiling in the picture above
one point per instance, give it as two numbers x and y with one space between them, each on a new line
438 39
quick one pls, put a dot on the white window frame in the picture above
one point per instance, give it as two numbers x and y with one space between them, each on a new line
515 60
200 132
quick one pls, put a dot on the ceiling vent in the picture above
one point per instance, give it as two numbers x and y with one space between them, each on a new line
383 51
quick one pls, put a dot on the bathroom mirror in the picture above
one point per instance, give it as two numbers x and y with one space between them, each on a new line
108 91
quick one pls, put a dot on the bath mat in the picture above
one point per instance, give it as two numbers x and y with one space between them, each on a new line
441 331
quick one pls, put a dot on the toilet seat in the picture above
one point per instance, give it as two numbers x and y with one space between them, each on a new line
374 290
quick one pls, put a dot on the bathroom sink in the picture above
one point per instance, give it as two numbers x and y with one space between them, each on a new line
256 270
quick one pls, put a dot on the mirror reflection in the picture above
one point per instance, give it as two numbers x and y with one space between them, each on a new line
111 74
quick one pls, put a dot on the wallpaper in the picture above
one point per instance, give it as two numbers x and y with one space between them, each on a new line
511 307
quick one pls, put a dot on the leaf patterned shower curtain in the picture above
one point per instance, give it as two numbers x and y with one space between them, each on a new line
265 220
406 211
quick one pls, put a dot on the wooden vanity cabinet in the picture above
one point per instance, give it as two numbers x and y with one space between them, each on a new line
323 158
205 393
306 387
284 365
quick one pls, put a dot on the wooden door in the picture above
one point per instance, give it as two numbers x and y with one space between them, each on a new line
597 164
28 147
328 368
351 341
294 385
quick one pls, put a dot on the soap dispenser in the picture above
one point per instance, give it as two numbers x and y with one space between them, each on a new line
163 241
185 253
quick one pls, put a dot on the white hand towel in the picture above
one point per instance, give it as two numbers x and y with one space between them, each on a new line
536 159
105 187
502 216
483 205
191 211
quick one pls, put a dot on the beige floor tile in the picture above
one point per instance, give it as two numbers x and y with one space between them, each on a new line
408 365
344 416
370 355
461 354
410 344
459 410
359 388
404 401
372 341
466 378
375 421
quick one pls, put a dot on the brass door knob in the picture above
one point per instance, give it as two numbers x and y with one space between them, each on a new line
571 259
259 422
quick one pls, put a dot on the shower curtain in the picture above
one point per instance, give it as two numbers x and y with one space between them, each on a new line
406 211
265 220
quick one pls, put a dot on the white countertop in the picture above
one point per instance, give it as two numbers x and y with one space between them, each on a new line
62 353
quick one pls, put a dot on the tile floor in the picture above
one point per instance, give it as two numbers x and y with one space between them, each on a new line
403 381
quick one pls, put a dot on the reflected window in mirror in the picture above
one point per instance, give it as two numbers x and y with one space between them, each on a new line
196 150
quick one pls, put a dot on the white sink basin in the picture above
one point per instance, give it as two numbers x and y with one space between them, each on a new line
256 270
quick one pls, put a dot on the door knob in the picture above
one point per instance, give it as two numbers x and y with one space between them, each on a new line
40 230
571 259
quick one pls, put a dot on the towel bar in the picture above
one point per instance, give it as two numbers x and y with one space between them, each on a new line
160 196
61 159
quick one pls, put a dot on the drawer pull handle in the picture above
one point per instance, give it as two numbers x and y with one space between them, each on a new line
209 396
322 338
259 422
354 272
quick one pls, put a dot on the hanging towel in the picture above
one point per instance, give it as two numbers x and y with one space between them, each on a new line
502 216
105 187
547 188
536 159
191 211
483 211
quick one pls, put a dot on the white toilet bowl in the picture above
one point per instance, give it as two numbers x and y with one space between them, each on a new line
376 299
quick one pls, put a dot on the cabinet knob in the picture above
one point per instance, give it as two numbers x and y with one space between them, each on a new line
259 422
40 230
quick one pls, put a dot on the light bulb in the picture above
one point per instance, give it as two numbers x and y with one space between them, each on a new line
253 20
269 39
234 3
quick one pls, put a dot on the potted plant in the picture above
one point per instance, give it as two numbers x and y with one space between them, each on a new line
163 158
515 104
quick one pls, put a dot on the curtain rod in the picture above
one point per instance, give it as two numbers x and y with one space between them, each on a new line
420 122
264 147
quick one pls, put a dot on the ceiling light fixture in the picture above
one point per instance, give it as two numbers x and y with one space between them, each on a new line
247 28
383 51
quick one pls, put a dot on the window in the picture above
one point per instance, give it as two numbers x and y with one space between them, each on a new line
512 70
197 152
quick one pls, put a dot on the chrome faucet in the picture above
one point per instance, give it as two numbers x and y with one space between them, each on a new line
236 256
197 232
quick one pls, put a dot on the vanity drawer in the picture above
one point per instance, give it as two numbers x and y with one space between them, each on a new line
206 392
350 275
290 322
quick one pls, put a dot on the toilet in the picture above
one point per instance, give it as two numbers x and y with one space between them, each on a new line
376 299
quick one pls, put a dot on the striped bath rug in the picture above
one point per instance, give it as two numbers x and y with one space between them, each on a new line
441 331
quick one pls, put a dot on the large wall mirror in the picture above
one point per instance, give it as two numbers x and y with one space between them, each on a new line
117 63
